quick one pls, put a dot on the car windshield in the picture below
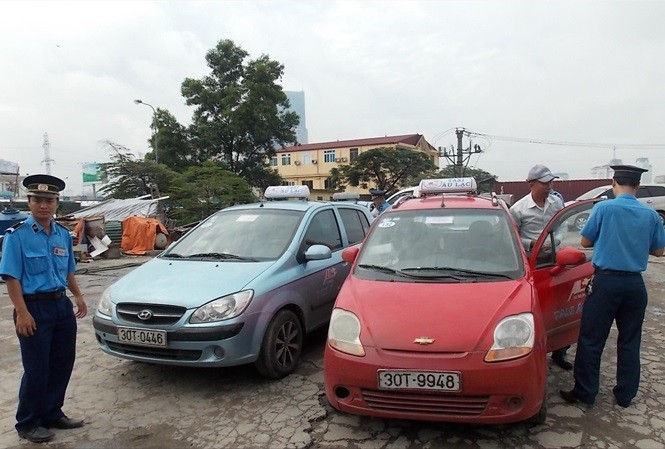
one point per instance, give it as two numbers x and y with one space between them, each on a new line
239 235
441 245
594 193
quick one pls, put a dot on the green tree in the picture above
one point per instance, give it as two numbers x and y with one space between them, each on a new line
387 168
200 191
484 179
240 115
172 142
130 177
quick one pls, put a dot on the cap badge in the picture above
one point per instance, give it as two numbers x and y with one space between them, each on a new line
42 187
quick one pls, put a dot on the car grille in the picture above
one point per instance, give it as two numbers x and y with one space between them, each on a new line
433 404
156 353
159 314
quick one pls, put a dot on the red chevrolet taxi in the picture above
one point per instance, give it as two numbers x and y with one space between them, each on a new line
445 317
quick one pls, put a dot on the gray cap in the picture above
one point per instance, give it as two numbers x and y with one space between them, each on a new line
540 173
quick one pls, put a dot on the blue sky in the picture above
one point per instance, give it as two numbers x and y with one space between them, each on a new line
565 71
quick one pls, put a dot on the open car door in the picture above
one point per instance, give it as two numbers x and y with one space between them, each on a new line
561 270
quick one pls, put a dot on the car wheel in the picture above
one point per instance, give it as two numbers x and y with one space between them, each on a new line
281 347
580 221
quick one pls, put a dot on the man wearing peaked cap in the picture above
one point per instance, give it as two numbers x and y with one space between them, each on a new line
45 186
623 233
379 200
38 266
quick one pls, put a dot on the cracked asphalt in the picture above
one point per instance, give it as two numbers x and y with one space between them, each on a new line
134 405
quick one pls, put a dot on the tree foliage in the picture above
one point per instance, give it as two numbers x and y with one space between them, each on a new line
200 191
484 179
130 177
240 115
387 168
172 140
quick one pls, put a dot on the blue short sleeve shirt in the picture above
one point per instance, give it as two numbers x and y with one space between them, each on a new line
623 231
40 261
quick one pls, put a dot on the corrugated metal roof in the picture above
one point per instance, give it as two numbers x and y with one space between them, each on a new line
118 210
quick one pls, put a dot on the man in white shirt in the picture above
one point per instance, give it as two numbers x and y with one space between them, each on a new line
532 213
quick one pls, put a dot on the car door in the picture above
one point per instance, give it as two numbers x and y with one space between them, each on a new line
561 289
323 278
654 197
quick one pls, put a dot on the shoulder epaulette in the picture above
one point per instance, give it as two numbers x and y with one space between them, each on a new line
14 227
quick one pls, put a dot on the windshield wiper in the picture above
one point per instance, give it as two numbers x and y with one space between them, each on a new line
385 270
220 256
458 271
173 255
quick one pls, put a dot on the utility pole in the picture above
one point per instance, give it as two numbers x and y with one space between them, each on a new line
47 154
460 158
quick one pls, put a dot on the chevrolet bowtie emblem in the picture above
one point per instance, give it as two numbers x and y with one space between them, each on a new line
424 341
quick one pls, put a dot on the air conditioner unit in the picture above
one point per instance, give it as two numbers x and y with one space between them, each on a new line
297 162
342 159
313 161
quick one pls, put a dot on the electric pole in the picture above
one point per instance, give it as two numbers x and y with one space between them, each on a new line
47 154
460 158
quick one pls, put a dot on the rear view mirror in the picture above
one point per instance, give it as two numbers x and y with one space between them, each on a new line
568 256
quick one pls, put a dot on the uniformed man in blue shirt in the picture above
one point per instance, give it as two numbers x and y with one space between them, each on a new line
38 265
379 200
623 232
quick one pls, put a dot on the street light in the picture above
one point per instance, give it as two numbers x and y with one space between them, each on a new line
154 127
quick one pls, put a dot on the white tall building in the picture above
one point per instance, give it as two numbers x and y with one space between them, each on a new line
643 162
297 102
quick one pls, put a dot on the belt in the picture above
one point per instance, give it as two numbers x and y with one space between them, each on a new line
615 272
45 295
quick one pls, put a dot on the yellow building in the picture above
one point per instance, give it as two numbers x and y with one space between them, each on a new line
310 164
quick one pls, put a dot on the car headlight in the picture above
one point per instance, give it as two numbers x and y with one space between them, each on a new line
222 308
104 306
344 333
513 338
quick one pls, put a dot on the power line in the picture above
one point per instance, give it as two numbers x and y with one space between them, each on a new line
635 146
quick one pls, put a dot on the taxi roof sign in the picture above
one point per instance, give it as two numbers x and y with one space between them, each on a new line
447 185
345 196
281 192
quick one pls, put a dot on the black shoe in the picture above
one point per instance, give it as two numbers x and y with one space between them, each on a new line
64 423
36 434
572 398
561 359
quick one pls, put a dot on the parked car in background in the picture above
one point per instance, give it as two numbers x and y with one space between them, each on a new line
445 317
244 286
653 195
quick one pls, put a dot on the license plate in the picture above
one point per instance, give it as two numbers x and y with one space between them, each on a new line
419 380
141 337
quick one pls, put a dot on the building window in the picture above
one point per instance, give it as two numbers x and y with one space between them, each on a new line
309 184
306 158
273 161
329 156
328 184
353 153
288 183
286 159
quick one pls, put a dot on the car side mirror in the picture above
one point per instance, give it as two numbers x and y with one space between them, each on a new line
318 252
568 256
349 254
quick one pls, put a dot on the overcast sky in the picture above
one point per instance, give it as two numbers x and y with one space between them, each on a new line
578 71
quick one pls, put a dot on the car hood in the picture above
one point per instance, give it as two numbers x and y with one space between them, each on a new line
457 316
187 283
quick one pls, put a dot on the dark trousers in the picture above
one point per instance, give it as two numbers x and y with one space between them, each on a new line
614 297
48 358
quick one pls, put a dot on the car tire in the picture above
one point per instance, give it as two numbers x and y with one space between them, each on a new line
281 346
580 221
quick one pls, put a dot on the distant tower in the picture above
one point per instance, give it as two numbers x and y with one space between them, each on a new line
643 162
47 154
297 102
